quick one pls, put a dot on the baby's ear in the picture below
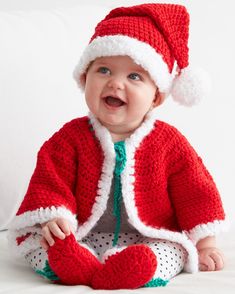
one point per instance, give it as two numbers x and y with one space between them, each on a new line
159 99
83 79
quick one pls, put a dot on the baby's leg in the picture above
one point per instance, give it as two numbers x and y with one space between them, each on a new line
102 243
171 258
125 266
37 259
66 262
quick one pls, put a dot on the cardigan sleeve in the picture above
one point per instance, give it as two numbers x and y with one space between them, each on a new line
50 194
193 192
53 181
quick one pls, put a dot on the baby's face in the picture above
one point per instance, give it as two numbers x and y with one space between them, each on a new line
119 92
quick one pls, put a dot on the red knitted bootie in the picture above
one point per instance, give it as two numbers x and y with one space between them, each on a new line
72 263
129 269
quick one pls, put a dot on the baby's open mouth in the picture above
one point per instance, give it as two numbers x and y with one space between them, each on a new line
114 101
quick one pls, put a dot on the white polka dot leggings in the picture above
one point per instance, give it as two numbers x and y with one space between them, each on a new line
171 256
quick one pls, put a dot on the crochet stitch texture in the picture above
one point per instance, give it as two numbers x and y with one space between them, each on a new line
166 189
140 22
128 269
72 263
173 189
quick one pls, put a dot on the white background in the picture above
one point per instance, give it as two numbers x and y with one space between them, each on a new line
40 43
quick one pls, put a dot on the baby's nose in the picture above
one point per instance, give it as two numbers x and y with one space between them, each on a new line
116 83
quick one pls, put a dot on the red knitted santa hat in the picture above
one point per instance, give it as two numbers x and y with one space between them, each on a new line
155 36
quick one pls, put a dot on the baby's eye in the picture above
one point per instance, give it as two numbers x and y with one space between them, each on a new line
134 76
104 70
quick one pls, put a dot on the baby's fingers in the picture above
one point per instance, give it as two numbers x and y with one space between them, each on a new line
64 226
47 235
203 267
218 260
56 230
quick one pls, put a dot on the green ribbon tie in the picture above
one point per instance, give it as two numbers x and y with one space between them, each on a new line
120 151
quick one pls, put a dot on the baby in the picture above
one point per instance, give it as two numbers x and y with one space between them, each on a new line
118 198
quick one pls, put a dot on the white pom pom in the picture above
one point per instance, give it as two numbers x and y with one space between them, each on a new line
190 86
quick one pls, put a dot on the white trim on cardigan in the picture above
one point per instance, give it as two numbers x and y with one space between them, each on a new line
30 244
42 215
210 229
24 223
128 180
105 182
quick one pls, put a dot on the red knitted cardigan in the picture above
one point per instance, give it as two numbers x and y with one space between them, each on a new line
167 191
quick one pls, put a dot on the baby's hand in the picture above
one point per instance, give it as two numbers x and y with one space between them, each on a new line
58 227
210 259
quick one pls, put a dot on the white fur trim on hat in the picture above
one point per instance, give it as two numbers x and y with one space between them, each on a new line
142 54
